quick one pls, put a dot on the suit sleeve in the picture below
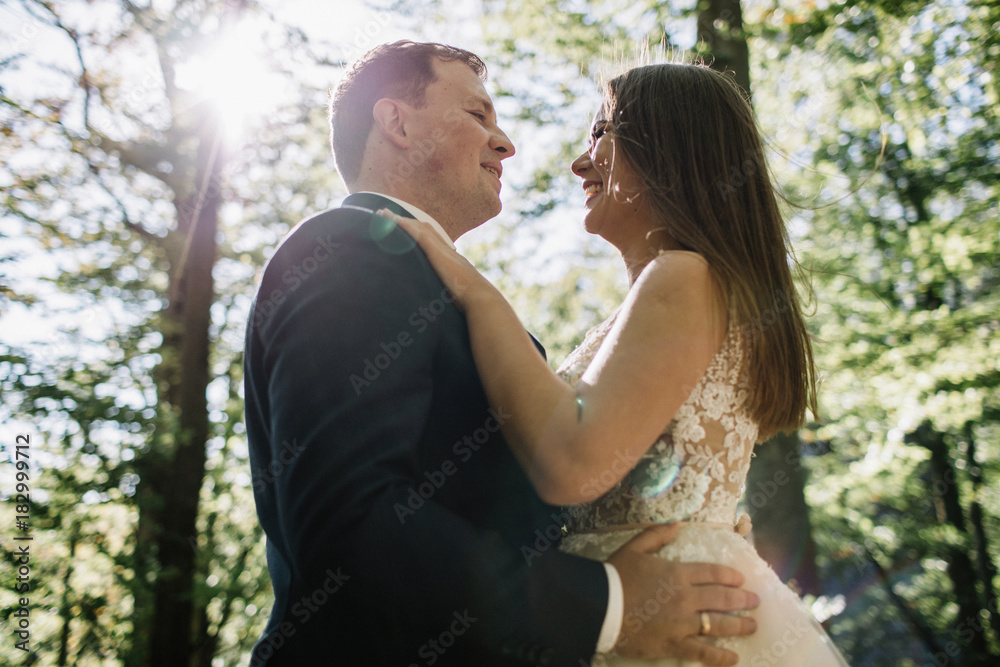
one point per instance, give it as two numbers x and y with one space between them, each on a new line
353 440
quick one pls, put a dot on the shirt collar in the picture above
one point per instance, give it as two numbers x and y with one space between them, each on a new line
416 213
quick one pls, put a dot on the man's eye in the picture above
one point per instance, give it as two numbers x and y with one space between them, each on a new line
480 116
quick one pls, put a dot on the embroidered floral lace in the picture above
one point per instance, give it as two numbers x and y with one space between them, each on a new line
696 471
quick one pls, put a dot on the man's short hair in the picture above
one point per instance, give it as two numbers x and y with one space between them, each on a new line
400 70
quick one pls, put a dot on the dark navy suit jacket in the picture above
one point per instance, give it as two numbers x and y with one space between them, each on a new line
400 529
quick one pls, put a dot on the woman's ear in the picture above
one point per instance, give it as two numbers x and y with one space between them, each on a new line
388 115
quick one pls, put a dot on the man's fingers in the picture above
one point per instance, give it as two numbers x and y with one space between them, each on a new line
722 598
712 573
728 625
696 650
653 539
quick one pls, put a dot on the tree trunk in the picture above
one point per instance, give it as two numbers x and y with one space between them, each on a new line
987 569
775 497
944 487
776 483
65 607
191 296
720 27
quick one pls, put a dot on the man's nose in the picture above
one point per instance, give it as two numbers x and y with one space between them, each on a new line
502 144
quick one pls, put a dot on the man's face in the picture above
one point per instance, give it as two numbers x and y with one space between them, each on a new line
457 149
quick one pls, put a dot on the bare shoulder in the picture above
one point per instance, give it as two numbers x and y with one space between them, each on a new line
679 291
676 274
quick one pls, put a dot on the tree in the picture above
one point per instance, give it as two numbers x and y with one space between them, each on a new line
904 246
782 531
121 175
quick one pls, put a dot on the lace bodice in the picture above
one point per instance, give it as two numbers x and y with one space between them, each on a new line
696 470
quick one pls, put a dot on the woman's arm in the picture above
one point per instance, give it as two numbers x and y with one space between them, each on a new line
571 440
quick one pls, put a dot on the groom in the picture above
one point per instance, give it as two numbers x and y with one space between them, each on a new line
397 520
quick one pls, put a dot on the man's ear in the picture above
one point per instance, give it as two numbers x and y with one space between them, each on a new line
389 116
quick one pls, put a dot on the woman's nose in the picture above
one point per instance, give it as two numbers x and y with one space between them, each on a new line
581 164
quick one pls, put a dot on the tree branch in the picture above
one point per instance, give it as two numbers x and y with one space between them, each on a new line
911 616
132 226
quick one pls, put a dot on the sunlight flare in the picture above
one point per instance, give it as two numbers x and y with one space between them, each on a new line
236 77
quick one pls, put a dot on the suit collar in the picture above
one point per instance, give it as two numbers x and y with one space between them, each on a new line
375 200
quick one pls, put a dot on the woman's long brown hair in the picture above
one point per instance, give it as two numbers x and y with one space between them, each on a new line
691 135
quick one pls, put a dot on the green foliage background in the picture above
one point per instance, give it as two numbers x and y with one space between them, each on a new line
882 120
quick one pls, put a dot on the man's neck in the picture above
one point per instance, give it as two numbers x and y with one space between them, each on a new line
415 211
409 196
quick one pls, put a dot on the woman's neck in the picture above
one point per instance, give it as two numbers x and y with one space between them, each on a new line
636 259
638 254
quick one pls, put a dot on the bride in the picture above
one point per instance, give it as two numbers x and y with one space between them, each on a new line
707 356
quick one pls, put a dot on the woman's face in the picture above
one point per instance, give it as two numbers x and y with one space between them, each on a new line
613 190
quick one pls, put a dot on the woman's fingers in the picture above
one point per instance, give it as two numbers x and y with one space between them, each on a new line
457 273
411 226
441 255
432 244
744 525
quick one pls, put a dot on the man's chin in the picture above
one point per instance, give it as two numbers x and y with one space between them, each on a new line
478 210
489 208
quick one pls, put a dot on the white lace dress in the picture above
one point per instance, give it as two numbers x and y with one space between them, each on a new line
696 473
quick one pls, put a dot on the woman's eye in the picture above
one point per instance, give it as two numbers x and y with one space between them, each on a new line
596 134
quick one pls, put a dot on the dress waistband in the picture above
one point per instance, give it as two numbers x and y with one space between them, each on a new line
643 526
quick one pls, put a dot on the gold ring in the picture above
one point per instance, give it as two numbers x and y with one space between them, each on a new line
706 624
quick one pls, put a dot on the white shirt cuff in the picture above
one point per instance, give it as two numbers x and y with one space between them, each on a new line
616 611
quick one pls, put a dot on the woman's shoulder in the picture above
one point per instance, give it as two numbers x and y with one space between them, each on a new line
682 255
674 270
684 285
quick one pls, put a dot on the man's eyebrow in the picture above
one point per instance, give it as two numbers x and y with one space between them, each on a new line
484 102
